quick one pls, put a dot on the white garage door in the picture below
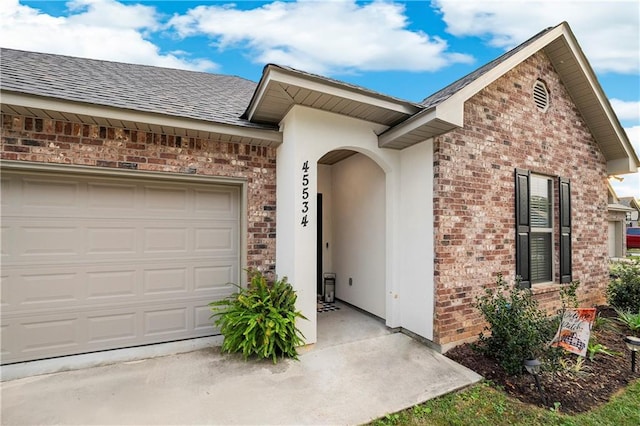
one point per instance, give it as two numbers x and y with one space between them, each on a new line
92 263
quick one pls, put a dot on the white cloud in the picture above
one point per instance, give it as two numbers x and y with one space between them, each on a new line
322 37
630 187
626 110
98 29
608 31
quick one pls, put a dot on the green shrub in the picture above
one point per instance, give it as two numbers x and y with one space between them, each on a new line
260 320
624 289
518 329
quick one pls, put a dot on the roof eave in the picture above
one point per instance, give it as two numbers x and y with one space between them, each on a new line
280 89
595 106
49 108
619 208
619 153
422 126
453 107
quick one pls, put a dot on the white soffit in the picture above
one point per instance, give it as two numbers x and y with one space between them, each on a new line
280 89
47 108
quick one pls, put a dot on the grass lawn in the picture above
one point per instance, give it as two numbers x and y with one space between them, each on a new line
483 404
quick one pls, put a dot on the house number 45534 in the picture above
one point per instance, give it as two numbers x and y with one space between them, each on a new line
305 193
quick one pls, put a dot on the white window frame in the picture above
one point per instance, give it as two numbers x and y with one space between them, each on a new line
550 230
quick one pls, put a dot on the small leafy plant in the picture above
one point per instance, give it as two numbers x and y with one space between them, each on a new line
518 329
629 320
573 366
260 320
603 323
594 348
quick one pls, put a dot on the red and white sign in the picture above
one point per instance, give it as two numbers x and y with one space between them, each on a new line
575 330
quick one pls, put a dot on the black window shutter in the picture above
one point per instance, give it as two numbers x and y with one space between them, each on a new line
565 229
523 228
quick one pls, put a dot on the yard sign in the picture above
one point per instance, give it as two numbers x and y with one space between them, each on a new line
575 329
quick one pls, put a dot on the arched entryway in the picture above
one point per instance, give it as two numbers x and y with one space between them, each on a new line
352 228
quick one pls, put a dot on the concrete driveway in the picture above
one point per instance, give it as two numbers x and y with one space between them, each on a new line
346 383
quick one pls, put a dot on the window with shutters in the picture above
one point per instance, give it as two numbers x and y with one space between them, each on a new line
536 233
541 214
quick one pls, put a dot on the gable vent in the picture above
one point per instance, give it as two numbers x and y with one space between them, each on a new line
541 96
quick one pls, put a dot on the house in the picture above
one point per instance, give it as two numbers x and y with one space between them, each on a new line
133 195
633 219
617 218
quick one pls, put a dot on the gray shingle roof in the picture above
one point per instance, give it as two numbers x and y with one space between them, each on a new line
450 90
197 95
344 84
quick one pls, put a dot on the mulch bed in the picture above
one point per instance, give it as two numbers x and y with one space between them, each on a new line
576 392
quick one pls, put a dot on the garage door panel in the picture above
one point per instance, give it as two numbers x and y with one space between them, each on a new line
165 321
160 199
216 278
165 240
202 318
111 197
52 287
118 262
110 284
114 239
221 204
52 240
216 239
7 197
5 291
48 334
49 193
5 240
62 334
113 328
5 336
47 288
165 280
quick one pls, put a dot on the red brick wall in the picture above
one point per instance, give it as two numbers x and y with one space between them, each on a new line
51 141
474 195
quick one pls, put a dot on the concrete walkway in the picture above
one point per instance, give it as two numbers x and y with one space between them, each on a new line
346 383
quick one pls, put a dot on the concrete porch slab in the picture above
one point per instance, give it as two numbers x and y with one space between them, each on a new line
348 383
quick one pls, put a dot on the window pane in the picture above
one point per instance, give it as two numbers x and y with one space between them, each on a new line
540 257
540 202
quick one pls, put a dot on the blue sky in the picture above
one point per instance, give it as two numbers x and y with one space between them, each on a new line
405 49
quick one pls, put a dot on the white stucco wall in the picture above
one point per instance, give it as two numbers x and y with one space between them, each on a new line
416 236
358 217
308 134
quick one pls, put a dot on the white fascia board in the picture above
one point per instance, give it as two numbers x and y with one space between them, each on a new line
450 113
38 102
279 75
621 166
259 93
619 208
406 126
